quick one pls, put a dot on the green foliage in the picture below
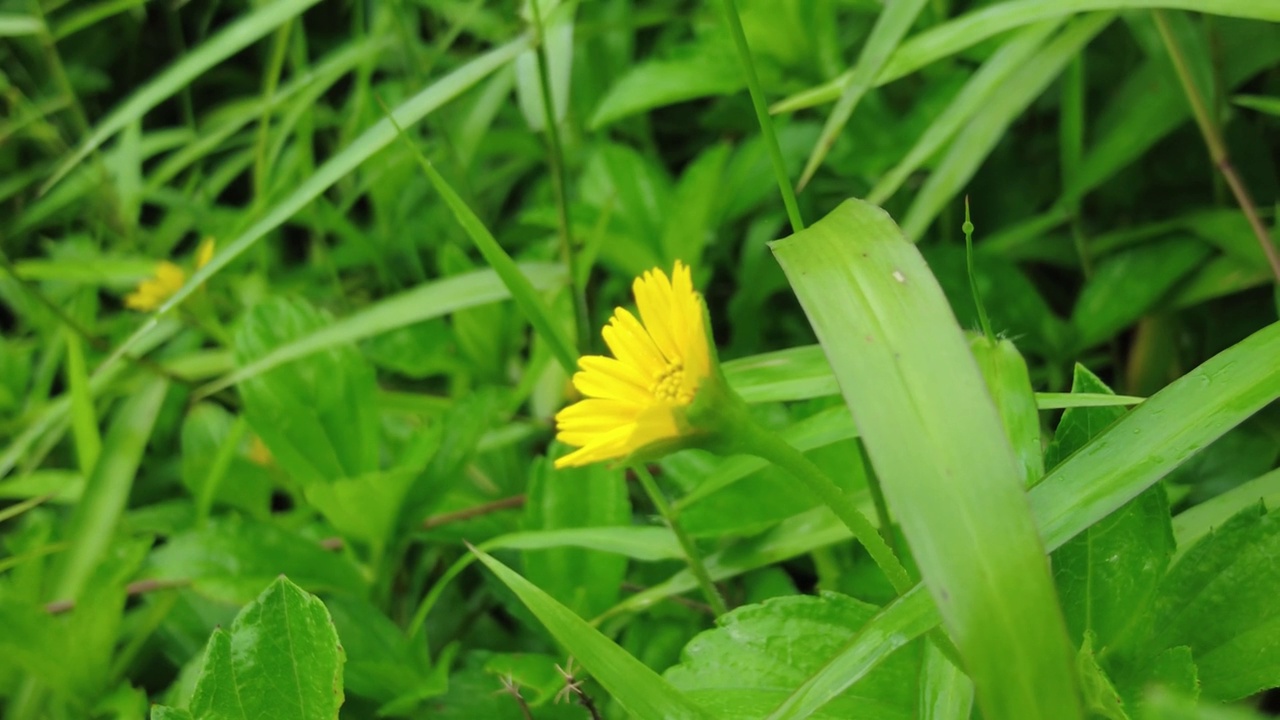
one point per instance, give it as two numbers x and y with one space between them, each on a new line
317 479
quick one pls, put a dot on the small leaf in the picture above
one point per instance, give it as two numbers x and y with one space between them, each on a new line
280 660
760 654
1220 600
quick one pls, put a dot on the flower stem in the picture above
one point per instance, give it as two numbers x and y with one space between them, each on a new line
752 438
686 543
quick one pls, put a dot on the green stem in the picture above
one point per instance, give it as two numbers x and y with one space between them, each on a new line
752 438
696 566
877 498
973 276
762 115
1217 147
543 60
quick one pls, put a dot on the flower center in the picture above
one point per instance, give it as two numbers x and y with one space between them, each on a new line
669 385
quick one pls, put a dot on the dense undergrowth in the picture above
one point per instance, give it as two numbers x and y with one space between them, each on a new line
292 293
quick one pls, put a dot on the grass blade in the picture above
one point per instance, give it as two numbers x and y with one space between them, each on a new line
637 688
229 41
967 103
986 128
370 142
941 453
93 522
894 22
84 421
535 309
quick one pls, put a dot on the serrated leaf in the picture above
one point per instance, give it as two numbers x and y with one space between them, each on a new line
281 660
1220 600
1107 574
1101 699
759 654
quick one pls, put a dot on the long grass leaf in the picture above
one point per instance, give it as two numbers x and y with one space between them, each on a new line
93 522
531 304
637 688
370 142
941 453
962 33
967 103
986 127
894 22
227 42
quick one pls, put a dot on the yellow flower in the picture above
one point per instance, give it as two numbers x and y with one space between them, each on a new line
639 397
152 292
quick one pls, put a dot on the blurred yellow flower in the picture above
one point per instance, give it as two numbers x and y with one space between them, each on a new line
639 397
152 292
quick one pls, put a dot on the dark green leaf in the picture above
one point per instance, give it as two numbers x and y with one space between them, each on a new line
1220 600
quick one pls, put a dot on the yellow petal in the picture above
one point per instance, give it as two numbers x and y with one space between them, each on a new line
631 343
204 253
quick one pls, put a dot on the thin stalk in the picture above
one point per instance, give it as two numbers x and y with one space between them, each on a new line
696 566
877 499
269 84
762 115
1217 147
973 276
556 152
752 438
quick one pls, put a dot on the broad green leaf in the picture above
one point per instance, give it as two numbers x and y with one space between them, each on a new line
382 664
734 670
227 42
92 525
698 70
1220 600
892 24
1171 670
206 459
1111 299
280 659
1108 574
363 508
637 688
316 415
940 451
972 146
583 580
231 560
